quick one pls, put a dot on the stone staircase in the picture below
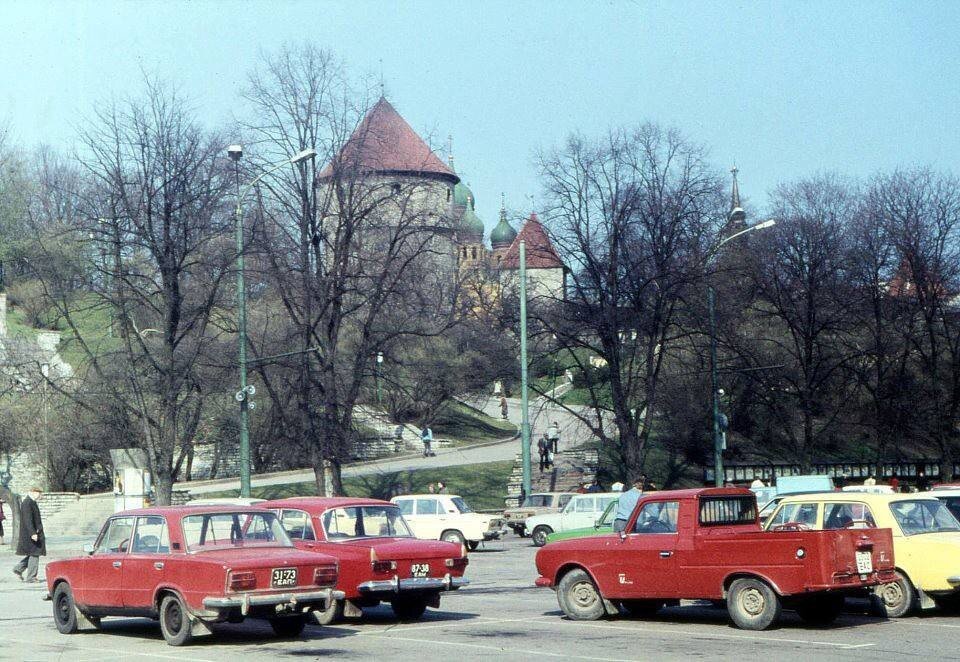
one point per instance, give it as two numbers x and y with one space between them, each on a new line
382 442
570 468
81 518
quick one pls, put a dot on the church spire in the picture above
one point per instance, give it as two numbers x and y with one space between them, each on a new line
735 195
450 151
737 220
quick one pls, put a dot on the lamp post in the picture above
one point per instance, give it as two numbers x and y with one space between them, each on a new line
524 404
379 394
243 395
718 442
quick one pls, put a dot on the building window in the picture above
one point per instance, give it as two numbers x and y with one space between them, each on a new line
448 195
474 251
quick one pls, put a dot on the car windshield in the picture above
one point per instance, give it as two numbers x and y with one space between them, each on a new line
923 516
209 531
607 518
365 522
461 505
537 501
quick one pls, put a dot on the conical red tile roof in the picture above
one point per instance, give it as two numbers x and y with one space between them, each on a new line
384 142
539 248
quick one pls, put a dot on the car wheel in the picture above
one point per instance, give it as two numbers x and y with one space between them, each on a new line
409 609
64 609
752 604
642 608
175 621
473 544
521 531
332 614
822 610
579 597
453 535
288 626
539 535
896 599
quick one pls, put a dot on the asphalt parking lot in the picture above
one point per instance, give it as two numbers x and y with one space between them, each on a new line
500 615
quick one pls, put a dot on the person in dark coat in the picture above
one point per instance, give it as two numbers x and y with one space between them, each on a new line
31 543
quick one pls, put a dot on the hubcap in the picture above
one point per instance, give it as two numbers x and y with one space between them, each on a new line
892 594
584 595
752 601
63 609
174 617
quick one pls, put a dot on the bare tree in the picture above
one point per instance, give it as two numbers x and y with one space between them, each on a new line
632 214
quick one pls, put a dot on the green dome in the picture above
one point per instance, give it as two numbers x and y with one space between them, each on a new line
463 196
470 223
503 234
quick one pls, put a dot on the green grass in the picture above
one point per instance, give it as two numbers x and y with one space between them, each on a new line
483 486
462 423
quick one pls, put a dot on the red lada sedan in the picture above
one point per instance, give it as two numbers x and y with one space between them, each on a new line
380 559
191 566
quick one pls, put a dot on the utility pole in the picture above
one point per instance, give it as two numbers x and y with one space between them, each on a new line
715 391
524 404
241 396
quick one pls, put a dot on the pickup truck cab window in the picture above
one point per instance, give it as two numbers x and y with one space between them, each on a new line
847 515
297 524
657 517
151 536
725 511
116 537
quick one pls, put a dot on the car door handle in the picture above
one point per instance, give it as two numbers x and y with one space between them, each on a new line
666 554
158 565
117 564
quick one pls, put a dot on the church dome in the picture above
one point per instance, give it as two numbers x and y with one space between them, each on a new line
463 196
503 234
470 223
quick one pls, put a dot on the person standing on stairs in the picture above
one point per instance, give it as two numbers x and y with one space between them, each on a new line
553 436
426 436
503 408
543 447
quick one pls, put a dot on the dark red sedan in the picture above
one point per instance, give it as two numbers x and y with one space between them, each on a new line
189 567
380 559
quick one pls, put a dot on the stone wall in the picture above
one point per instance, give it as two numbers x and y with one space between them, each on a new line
20 470
53 502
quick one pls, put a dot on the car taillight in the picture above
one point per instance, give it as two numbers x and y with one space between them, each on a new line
242 581
325 575
384 566
458 564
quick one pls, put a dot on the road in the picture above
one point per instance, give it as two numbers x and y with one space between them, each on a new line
501 615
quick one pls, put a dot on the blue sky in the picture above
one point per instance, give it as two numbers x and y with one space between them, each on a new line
783 89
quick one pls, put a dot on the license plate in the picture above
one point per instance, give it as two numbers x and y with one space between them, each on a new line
283 577
864 563
420 570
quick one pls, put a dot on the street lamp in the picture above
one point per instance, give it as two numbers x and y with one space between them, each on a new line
718 423
243 395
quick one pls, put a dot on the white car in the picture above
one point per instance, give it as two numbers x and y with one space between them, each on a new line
581 511
448 517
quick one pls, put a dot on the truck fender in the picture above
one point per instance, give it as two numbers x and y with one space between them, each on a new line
729 579
608 606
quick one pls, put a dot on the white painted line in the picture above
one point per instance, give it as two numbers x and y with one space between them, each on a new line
533 653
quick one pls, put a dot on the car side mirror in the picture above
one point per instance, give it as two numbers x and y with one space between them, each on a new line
88 548
623 535
596 524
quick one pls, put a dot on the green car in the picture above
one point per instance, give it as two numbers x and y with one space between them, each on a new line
602 525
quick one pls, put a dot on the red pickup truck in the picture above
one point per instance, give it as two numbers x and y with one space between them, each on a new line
707 544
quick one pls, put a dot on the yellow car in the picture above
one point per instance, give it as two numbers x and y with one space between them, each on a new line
926 540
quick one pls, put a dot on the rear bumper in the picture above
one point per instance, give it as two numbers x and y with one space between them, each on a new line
412 585
246 601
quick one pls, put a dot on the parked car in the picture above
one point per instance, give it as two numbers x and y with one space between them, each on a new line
869 489
225 501
380 560
189 567
581 511
706 544
950 498
448 517
926 540
535 504
603 525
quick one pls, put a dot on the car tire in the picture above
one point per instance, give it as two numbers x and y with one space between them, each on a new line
579 597
895 599
752 604
642 608
175 621
288 626
472 545
539 535
64 609
820 611
521 531
331 615
452 535
408 609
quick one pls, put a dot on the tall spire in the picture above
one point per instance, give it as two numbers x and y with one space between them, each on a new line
503 207
735 196
450 150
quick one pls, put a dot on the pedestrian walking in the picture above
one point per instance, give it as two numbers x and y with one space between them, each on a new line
398 439
894 482
31 543
553 436
543 447
426 436
2 517
503 408
628 501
